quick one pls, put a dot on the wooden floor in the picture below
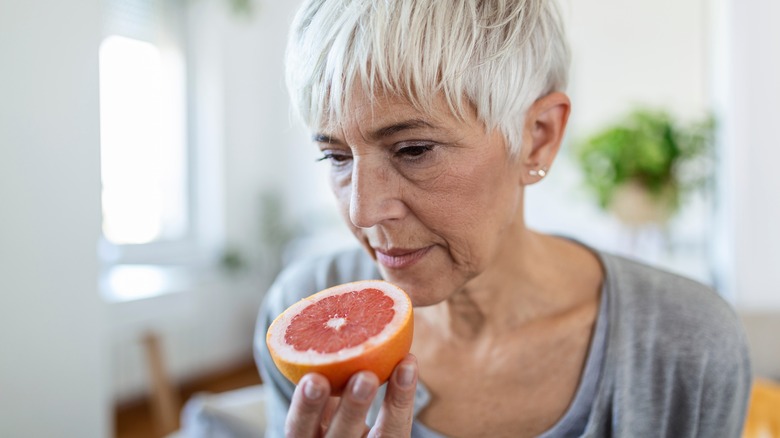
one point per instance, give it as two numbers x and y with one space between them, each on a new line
135 420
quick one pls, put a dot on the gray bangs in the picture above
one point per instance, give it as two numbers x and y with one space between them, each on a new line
497 56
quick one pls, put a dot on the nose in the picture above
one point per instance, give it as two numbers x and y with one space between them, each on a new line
375 193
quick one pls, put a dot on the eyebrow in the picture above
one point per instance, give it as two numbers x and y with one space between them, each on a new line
382 132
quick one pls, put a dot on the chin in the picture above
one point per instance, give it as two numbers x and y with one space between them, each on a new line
422 292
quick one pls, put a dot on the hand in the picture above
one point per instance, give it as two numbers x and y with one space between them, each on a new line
314 414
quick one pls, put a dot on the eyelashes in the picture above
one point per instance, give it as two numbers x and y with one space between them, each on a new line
335 159
411 154
414 151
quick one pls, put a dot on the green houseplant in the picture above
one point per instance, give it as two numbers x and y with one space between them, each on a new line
640 167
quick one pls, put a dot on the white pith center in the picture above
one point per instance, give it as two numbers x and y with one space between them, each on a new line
336 322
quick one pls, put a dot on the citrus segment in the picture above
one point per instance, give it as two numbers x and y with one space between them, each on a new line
365 325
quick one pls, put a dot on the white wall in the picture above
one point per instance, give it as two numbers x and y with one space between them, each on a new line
748 68
752 150
626 53
52 364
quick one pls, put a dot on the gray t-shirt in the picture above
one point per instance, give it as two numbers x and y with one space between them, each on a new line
674 360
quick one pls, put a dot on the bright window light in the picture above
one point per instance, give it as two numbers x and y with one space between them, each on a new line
142 143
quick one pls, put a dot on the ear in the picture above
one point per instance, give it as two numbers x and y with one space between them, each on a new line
545 125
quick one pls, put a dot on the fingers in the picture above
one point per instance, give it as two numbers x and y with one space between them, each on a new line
349 420
395 417
312 410
307 407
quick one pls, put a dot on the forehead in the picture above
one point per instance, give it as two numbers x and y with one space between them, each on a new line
391 112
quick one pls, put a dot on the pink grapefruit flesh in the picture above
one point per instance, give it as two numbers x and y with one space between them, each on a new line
365 325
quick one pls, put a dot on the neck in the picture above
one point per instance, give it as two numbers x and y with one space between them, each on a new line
535 277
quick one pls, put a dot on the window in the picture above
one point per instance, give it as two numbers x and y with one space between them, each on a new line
145 154
143 150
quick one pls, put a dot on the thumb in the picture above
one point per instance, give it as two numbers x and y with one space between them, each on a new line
397 412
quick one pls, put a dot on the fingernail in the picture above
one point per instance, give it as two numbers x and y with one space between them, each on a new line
362 388
312 390
405 375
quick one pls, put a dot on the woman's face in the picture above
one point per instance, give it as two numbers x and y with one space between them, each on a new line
434 199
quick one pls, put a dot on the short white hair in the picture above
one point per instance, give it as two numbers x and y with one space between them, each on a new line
497 55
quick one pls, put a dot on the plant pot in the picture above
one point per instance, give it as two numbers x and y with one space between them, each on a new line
635 205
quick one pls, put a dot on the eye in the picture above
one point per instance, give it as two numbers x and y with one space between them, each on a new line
414 151
335 158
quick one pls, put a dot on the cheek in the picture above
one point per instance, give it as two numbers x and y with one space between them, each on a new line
472 214
341 192
476 198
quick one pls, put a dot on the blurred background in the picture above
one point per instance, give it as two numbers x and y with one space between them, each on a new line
153 183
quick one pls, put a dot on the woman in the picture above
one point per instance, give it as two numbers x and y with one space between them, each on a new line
434 117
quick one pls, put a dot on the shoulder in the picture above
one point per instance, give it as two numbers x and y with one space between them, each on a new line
676 329
675 348
670 307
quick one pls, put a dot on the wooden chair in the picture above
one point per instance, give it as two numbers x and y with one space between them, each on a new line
163 398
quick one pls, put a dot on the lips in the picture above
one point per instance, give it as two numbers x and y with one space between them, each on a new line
399 258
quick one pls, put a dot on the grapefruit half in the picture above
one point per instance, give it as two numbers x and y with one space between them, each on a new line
364 325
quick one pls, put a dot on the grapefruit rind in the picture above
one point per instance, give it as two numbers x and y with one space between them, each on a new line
379 354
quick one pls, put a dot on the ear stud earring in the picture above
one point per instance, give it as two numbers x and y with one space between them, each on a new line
540 173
